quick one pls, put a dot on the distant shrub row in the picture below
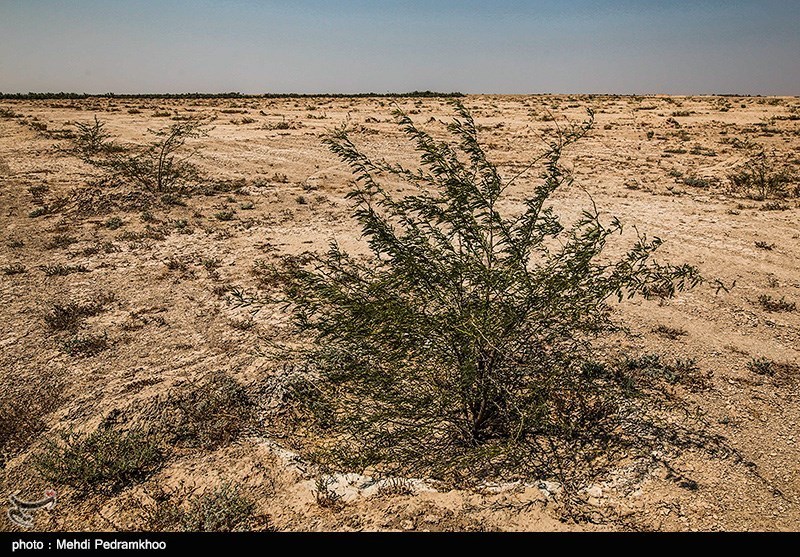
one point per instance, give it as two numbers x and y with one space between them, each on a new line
231 95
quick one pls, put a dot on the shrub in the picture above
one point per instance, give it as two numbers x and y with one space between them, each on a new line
161 166
92 138
38 212
761 366
326 497
772 305
671 333
458 348
24 402
59 270
61 317
223 509
60 241
780 373
763 177
14 269
696 182
85 345
654 367
113 223
106 459
208 413
774 206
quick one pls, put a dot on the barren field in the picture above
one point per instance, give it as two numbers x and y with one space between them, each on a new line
116 309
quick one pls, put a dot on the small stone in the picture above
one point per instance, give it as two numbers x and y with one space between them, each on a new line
595 491
407 525
550 488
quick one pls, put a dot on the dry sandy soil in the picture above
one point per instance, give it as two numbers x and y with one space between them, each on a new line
163 276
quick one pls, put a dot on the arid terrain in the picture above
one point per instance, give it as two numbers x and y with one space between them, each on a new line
115 304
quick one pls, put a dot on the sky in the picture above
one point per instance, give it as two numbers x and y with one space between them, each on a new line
348 46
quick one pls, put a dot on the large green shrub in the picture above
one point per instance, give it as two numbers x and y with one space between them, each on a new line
463 346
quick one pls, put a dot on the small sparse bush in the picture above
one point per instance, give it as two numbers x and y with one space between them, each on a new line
169 199
224 186
8 113
209 413
92 139
704 151
671 333
211 265
326 497
24 403
176 264
284 125
68 316
222 509
38 212
761 366
772 305
760 244
38 192
242 324
764 177
774 206
161 166
179 265
113 223
14 269
695 182
107 459
63 270
396 486
683 371
60 241
37 125
181 226
85 345
110 247
225 215
780 373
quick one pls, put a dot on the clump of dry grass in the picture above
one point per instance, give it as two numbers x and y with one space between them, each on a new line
207 413
773 305
226 508
106 459
62 317
24 405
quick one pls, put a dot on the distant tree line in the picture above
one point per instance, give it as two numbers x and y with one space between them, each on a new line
231 95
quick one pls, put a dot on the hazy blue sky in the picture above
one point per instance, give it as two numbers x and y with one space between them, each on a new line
494 46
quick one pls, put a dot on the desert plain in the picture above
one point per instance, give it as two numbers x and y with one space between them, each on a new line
147 278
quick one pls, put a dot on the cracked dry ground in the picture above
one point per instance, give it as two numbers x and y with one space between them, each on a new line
158 274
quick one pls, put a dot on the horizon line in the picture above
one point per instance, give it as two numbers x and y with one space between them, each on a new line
34 95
